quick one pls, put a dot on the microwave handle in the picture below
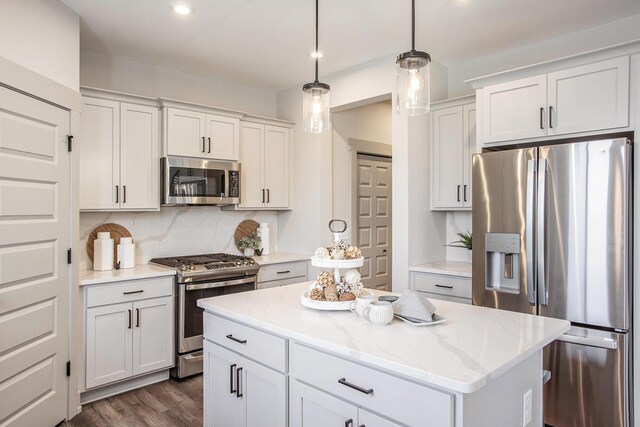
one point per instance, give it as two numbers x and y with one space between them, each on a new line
225 183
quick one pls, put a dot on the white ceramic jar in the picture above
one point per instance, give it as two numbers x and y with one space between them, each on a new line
378 312
263 232
103 252
126 253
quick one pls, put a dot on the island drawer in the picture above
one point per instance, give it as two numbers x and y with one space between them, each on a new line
130 290
255 344
399 399
282 271
441 284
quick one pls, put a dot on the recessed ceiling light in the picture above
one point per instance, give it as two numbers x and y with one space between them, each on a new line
315 54
182 9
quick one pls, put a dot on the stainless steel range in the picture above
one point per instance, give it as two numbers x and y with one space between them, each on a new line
203 276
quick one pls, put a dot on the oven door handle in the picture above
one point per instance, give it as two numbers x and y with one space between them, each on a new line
209 285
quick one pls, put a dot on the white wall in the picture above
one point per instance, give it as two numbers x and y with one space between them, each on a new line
457 222
414 227
123 75
175 230
617 32
43 36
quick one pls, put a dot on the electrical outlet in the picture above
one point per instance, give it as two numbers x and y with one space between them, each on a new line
527 407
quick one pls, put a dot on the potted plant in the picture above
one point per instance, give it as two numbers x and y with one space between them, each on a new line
464 241
249 244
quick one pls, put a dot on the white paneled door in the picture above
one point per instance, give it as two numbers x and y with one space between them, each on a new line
34 237
374 220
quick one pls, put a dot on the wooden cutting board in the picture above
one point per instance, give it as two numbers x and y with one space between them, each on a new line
245 229
117 231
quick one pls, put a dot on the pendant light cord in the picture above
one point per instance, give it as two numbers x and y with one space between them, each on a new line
317 41
413 26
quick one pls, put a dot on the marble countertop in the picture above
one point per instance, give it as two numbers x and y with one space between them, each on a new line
280 257
142 271
472 347
450 268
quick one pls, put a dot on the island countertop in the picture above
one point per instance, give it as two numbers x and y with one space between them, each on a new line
474 345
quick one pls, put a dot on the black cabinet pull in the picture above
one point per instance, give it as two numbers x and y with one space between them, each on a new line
138 323
203 144
348 423
465 192
458 193
117 191
133 292
263 195
231 337
344 381
268 196
283 272
231 368
444 286
541 117
209 145
124 194
550 117
239 382
130 319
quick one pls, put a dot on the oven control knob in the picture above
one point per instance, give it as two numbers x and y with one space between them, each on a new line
183 267
192 267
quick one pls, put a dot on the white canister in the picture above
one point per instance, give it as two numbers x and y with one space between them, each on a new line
378 312
103 252
126 253
360 303
263 232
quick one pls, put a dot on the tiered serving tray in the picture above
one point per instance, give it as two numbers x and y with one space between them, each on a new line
336 265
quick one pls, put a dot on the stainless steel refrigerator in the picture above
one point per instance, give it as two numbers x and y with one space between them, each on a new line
551 237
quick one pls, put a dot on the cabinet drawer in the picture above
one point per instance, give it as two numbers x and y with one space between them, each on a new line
130 290
258 345
282 271
399 399
446 298
442 285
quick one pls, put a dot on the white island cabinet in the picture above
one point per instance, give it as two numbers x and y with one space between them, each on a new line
269 361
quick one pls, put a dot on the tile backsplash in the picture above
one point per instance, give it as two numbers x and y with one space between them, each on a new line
176 230
457 222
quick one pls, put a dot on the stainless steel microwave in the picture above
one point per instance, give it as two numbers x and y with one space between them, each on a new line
193 181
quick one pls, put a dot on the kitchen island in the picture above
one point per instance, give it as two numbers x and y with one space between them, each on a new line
271 361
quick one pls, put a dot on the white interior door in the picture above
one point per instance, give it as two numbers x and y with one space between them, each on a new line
99 148
223 137
152 334
313 408
374 220
447 150
276 166
139 160
34 237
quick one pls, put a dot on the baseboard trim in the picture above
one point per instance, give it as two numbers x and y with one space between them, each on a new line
123 386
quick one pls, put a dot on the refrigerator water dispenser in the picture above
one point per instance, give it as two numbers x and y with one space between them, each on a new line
502 258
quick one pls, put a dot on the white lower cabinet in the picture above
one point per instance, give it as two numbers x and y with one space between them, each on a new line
280 274
240 392
442 286
126 334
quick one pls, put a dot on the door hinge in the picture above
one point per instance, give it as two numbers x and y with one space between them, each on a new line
69 256
69 143
69 368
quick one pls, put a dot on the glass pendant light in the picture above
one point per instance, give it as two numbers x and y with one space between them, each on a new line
413 85
315 99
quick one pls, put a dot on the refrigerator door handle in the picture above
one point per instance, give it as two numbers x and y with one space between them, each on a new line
531 173
543 293
607 343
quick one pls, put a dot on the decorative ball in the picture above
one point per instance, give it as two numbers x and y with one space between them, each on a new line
325 279
352 252
322 253
337 253
331 293
348 296
340 245
352 277
317 294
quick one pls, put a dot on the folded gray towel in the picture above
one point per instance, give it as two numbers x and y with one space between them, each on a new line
415 305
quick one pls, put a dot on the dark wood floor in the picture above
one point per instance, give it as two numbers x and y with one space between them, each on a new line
165 404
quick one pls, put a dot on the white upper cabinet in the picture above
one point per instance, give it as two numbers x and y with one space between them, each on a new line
119 160
585 98
515 110
452 145
590 97
198 134
265 166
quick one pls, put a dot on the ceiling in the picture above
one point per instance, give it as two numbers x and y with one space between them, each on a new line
265 43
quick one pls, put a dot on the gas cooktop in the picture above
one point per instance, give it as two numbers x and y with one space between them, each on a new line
192 268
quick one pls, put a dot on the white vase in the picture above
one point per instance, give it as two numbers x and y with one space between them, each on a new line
249 252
